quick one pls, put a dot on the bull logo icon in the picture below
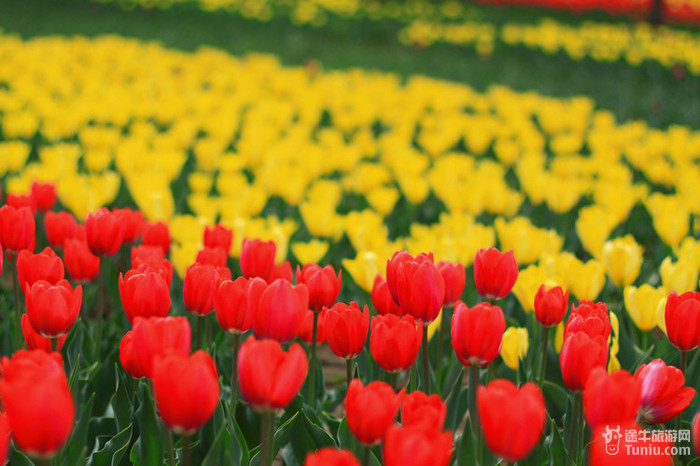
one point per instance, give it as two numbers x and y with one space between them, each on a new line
612 440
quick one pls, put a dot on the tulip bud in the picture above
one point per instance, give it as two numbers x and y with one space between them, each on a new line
495 273
346 329
512 418
156 234
416 285
394 342
257 258
266 394
186 389
276 310
550 305
154 336
53 309
59 227
44 195
417 445
144 294
16 228
371 410
683 320
477 333
133 223
104 231
218 237
212 256
199 287
579 355
45 266
454 276
82 265
322 283
231 305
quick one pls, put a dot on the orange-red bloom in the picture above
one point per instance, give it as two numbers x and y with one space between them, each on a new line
381 297
16 228
257 258
276 310
186 390
144 294
663 393
346 329
268 376
53 309
104 231
550 305
199 287
416 285
419 408
330 456
45 266
611 398
82 265
218 237
231 305
417 445
371 409
154 336
683 320
35 341
512 418
322 283
156 234
495 272
477 333
454 276
579 355
59 227
127 357
44 195
394 341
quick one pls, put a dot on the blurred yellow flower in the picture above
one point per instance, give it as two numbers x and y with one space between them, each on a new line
679 276
310 252
514 346
641 304
622 258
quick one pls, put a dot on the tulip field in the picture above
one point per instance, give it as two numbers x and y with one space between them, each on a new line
349 232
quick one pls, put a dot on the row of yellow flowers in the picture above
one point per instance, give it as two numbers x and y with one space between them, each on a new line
99 111
604 42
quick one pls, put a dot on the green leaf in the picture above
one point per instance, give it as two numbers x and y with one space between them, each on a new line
220 451
121 400
114 450
150 446
18 458
556 396
75 449
241 454
555 443
457 402
465 447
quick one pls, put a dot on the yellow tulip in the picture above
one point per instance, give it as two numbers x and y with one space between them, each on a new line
311 251
364 267
622 258
586 280
680 276
529 281
514 346
641 304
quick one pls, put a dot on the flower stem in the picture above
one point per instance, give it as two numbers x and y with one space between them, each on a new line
18 305
426 362
679 417
186 451
473 408
266 429
441 341
572 453
348 371
365 458
545 347
54 345
171 450
312 364
394 379
100 304
234 377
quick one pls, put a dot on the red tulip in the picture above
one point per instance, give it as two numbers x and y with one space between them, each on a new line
611 398
231 305
282 271
199 286
145 253
257 258
322 283
683 320
218 237
454 276
394 342
45 266
330 456
5 435
82 265
35 341
695 431
127 357
663 394
416 285
268 376
213 256
591 318
417 445
550 305
276 310
162 267
346 329
53 309
512 418
44 195
419 408
477 333
306 329
144 294
133 223
154 336
59 227
37 402
611 445
16 228
495 272
381 297
156 234
371 410
104 231
579 356
21 200
186 390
